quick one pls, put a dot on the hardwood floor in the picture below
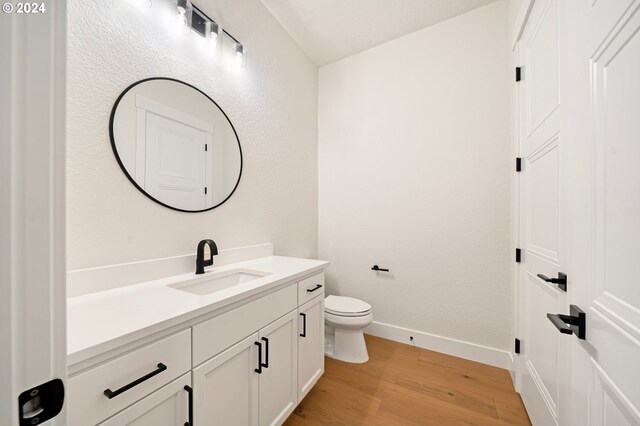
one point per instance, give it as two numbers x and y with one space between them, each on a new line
408 386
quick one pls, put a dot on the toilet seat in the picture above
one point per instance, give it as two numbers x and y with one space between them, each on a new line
346 306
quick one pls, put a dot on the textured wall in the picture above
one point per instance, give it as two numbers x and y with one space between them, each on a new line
272 104
414 175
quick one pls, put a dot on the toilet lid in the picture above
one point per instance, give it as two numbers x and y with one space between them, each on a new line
346 306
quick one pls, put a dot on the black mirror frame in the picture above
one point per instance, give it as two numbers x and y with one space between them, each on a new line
132 180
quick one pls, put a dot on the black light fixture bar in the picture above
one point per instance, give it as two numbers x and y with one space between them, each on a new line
199 20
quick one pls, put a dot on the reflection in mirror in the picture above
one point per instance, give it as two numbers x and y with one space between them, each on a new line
175 144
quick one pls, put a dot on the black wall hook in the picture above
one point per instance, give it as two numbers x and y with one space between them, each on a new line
379 269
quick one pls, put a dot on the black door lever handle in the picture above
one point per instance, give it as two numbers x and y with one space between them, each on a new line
561 281
576 322
379 269
558 320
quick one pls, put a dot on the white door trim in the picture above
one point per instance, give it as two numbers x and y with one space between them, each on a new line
32 200
158 108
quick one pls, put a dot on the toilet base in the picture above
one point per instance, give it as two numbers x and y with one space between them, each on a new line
346 345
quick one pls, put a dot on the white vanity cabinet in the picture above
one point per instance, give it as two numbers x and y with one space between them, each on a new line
310 344
248 363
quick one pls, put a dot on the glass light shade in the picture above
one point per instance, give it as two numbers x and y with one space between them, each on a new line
183 12
239 55
212 32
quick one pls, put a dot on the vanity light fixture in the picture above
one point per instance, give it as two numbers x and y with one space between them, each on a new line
206 27
211 32
183 13
239 57
187 16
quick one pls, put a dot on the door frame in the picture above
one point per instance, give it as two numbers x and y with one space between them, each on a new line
32 204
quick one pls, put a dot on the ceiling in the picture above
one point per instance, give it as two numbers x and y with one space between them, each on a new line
329 30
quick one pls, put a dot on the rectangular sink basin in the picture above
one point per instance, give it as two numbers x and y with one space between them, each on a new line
220 281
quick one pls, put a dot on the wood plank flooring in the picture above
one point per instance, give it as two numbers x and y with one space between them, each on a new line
408 386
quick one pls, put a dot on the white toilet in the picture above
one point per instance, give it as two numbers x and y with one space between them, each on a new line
344 318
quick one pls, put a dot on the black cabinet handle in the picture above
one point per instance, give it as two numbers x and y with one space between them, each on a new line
266 353
561 281
576 322
317 287
112 394
379 269
304 325
259 369
190 393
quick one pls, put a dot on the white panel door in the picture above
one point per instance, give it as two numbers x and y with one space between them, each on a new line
310 345
541 208
175 163
278 380
168 406
32 210
226 387
601 68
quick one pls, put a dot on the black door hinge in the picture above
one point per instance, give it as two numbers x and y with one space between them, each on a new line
518 164
517 346
39 404
518 255
205 146
205 189
518 73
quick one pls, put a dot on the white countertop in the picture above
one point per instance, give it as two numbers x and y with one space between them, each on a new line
99 322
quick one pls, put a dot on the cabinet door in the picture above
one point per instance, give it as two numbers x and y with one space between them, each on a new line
310 345
278 380
225 388
168 406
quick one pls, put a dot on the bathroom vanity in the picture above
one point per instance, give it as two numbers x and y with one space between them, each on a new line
241 344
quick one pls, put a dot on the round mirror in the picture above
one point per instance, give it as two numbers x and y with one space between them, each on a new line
175 144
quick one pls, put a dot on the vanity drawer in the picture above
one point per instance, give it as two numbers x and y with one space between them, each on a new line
311 287
217 334
129 378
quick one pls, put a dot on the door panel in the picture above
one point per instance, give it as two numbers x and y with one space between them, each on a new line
541 70
226 387
540 215
601 68
278 381
175 169
543 203
615 296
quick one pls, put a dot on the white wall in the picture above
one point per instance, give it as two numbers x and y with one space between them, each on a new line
414 169
272 104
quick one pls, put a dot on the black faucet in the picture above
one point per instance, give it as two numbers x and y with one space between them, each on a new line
200 262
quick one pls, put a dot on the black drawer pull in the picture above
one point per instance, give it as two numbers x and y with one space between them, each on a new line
317 287
266 353
190 393
259 369
112 394
304 325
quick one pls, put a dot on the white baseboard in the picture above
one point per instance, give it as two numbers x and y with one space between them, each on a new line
458 348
